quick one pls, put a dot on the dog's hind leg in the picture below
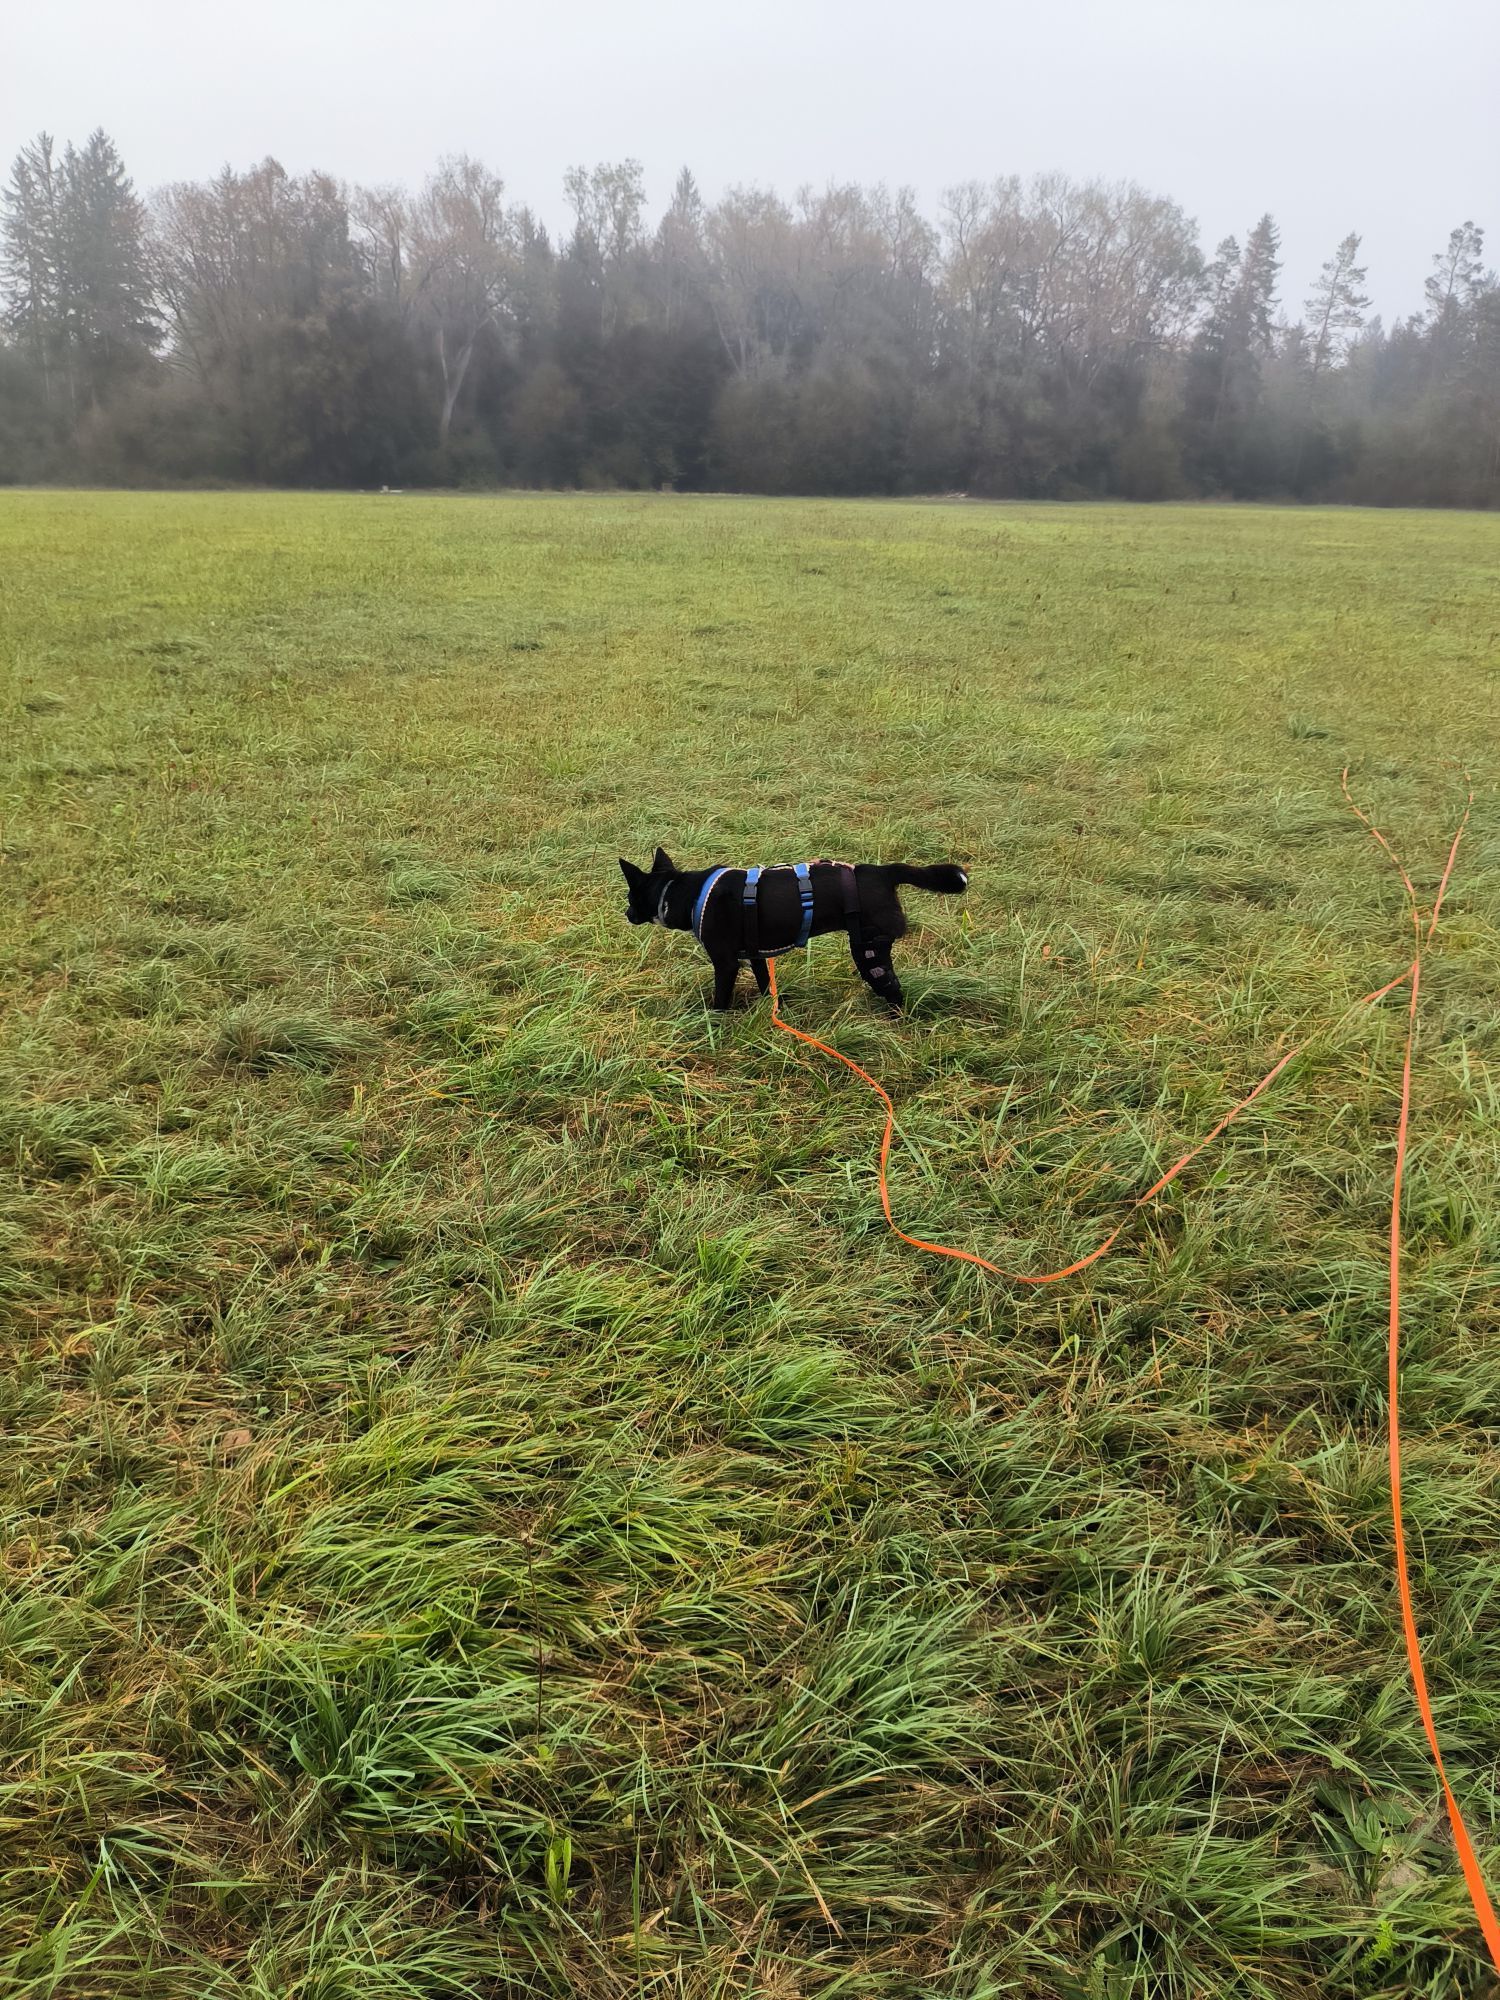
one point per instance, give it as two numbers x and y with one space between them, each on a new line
872 961
762 977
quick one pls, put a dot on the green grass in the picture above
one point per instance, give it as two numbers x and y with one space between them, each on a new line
489 1510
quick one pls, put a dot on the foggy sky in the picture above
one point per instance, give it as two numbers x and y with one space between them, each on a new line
1333 114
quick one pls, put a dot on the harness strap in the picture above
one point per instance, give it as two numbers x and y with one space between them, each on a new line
702 903
752 912
803 872
750 904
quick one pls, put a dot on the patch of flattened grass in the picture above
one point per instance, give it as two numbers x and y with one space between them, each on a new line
60 1140
262 1038
417 884
153 988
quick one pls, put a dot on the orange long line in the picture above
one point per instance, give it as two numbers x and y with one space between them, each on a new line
1156 1187
1479 1895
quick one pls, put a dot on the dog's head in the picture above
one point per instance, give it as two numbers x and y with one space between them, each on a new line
644 897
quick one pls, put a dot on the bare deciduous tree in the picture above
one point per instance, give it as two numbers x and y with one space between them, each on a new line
461 268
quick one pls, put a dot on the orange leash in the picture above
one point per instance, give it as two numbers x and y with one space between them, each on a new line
1156 1187
1479 1895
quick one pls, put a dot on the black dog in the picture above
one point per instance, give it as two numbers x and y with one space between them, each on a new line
739 913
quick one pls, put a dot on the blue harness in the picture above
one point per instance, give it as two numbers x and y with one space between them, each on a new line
801 869
702 903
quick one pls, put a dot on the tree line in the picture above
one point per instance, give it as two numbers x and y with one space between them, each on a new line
1051 338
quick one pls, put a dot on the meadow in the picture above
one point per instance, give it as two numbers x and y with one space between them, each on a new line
488 1508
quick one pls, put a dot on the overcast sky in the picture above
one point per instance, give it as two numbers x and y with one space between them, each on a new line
1334 114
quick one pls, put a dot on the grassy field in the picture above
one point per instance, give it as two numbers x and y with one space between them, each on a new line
489 1511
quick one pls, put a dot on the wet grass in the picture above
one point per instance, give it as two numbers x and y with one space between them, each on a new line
488 1509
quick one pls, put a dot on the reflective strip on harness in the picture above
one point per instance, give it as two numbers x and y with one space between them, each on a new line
702 903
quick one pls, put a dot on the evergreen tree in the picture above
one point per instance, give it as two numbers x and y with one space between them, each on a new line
1337 306
1457 275
112 325
1255 295
1232 346
31 263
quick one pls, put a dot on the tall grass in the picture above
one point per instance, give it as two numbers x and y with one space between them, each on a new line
488 1509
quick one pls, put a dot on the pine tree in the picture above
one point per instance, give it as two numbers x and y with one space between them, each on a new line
1337 305
1458 275
680 250
1455 290
74 271
1254 308
111 323
1224 370
31 261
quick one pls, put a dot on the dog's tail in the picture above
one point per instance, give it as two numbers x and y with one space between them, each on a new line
944 878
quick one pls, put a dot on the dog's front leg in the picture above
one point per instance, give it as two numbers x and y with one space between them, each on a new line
726 971
762 977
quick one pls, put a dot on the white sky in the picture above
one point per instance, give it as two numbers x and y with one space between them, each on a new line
1334 114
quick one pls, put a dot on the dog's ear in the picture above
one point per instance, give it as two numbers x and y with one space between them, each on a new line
662 863
632 874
